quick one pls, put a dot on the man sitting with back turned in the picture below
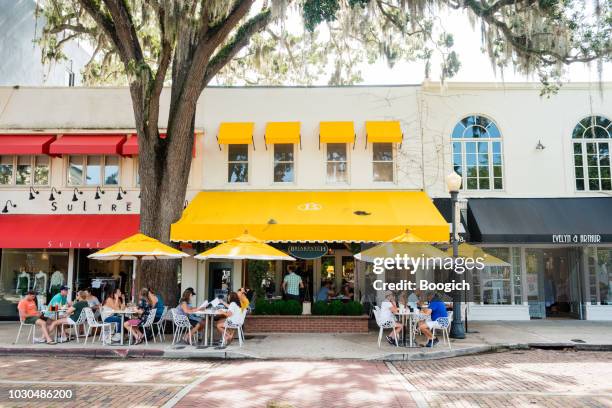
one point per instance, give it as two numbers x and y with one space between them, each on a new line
436 309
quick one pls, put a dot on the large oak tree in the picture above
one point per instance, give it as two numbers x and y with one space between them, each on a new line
186 43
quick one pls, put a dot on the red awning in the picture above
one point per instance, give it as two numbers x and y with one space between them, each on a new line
88 144
130 147
25 144
65 231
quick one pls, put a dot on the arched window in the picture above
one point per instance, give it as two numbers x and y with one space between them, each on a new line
477 153
592 137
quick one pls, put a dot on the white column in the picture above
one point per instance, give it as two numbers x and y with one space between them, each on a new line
70 277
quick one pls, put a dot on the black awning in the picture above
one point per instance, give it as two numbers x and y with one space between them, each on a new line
445 206
541 220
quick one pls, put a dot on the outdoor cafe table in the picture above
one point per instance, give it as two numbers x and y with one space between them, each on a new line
123 313
407 319
209 317
56 315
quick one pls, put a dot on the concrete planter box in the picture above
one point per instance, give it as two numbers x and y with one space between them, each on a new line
305 324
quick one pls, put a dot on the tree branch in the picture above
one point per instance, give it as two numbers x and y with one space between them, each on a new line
128 45
240 40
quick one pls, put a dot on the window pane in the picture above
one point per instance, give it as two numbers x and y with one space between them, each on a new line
579 172
283 172
493 130
605 184
578 160
24 170
603 122
483 147
457 147
472 184
382 151
496 147
336 152
336 172
591 148
593 172
483 159
483 183
75 170
497 183
593 184
458 131
41 171
604 154
483 171
471 171
237 172
111 170
577 148
579 184
592 159
470 147
283 152
383 171
238 152
470 159
578 131
497 171
604 172
6 169
458 170
497 159
457 159
94 168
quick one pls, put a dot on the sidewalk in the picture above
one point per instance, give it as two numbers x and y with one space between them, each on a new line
491 336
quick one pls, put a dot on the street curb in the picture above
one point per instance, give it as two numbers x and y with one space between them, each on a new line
83 352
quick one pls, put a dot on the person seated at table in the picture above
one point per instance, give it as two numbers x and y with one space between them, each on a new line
29 314
114 301
325 292
185 309
387 310
233 309
92 300
73 313
348 290
157 303
61 298
242 296
414 300
434 310
143 310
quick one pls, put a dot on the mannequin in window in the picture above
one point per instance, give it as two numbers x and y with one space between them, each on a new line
40 285
23 282
56 282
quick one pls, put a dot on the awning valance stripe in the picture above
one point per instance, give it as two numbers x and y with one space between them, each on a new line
383 132
282 132
235 133
25 144
336 132
87 144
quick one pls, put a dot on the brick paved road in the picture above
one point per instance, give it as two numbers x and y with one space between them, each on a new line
532 378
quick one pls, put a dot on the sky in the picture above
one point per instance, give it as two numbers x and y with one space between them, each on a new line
475 65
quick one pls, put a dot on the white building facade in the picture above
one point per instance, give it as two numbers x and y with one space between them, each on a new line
536 188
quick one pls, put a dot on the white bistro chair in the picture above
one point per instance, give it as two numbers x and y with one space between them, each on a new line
160 325
22 324
236 324
444 323
181 326
383 325
82 320
148 324
92 323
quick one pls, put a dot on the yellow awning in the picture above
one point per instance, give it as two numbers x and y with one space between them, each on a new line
235 133
310 216
336 132
383 132
282 132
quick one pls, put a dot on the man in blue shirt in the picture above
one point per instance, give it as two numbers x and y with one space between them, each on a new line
325 292
61 298
436 309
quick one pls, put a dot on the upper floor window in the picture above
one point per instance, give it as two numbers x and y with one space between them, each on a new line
238 163
93 170
477 153
24 170
283 163
382 162
592 137
337 163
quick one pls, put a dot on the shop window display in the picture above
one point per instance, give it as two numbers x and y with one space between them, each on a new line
30 269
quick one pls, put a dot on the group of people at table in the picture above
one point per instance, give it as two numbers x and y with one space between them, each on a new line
61 313
427 313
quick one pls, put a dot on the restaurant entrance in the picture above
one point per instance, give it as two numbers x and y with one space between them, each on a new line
553 283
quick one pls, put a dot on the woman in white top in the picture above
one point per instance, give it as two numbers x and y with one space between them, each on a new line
387 309
234 313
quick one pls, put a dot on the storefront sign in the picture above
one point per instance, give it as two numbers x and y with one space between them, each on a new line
307 251
576 238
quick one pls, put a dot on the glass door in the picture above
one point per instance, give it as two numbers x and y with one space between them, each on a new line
535 283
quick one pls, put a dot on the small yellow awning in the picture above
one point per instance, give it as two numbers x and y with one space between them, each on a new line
235 133
383 132
336 132
310 216
282 132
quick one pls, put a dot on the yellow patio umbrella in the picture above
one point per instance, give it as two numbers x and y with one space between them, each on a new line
245 246
138 247
405 244
473 252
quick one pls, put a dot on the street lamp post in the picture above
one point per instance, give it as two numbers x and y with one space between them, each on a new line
453 184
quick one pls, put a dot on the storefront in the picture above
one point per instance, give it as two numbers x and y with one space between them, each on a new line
560 255
321 229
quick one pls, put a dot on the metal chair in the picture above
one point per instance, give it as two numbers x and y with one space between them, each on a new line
160 325
235 324
181 326
82 320
148 324
92 323
31 333
444 326
389 324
